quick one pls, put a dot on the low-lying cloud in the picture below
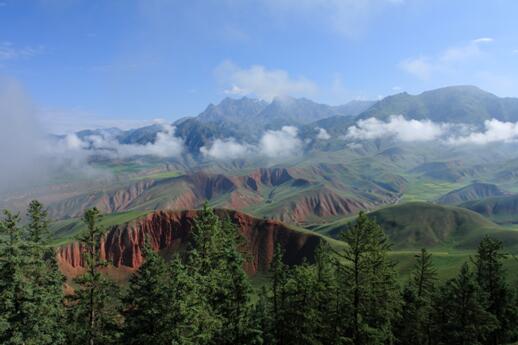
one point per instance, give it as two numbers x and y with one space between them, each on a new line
322 134
494 131
397 127
166 145
274 144
223 149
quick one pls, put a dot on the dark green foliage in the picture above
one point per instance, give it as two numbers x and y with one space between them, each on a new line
499 297
204 296
216 265
31 286
93 308
370 292
148 303
414 326
459 315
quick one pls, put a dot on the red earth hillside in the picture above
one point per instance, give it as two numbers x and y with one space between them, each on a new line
169 231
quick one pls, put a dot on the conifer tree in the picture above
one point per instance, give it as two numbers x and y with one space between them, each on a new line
46 318
31 286
414 326
148 302
499 298
370 285
279 277
459 315
216 265
93 309
13 282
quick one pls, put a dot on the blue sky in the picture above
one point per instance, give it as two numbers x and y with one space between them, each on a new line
115 62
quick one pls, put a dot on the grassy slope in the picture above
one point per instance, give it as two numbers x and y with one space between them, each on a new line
414 225
65 230
503 209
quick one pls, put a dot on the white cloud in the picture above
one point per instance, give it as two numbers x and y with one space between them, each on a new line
424 66
166 145
322 134
396 127
273 144
494 131
399 128
223 149
280 143
262 82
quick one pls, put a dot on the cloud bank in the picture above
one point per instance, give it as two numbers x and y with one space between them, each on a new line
399 128
494 131
223 149
274 144
166 145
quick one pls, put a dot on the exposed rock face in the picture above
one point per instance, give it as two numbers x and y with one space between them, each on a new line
169 231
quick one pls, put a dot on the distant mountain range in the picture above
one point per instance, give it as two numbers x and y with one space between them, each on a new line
245 119
454 104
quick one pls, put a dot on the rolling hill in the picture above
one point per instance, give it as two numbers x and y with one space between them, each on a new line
503 209
414 225
474 191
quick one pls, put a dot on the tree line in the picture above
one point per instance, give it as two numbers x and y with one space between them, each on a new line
202 296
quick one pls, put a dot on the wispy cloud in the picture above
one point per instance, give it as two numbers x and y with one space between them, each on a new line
9 51
349 18
423 67
62 121
261 82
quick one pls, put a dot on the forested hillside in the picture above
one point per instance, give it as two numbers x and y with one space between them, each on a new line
345 294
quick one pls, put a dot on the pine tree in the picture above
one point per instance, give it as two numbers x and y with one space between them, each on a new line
370 285
217 266
459 315
31 286
279 278
235 306
325 293
93 309
414 326
500 300
148 302
14 290
46 318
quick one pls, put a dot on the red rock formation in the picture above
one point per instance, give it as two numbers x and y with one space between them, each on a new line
168 231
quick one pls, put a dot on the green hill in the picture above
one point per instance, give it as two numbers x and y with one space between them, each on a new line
474 191
417 224
503 209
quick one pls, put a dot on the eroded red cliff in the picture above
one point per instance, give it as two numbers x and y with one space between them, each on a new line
169 231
